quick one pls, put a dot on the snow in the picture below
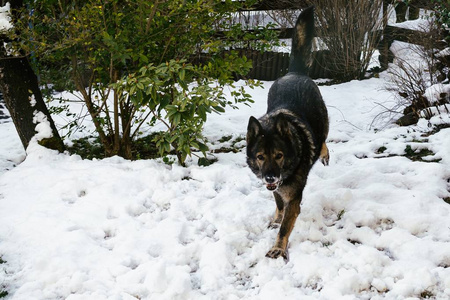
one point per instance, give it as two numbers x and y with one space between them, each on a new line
5 19
373 225
423 23
43 129
433 92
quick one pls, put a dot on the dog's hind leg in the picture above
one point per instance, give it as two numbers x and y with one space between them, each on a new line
279 212
324 155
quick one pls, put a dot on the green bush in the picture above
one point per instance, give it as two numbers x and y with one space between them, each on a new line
90 46
442 12
181 95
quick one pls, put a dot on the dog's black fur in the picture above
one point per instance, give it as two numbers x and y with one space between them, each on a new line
283 145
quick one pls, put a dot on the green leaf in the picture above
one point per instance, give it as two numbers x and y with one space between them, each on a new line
143 58
166 147
195 144
219 109
201 112
186 149
176 118
183 85
203 147
182 74
204 162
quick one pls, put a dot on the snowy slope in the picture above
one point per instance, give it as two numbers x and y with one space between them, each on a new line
373 224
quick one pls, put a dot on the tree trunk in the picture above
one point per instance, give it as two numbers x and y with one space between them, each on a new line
18 84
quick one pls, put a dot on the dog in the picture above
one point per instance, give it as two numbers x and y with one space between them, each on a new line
284 144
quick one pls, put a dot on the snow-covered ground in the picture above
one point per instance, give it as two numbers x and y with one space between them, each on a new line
374 224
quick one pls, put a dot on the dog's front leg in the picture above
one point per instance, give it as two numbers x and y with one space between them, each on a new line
291 212
279 212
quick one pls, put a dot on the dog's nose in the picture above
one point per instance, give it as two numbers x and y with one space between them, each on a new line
269 179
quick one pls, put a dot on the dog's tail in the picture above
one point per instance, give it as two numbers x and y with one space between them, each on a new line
302 42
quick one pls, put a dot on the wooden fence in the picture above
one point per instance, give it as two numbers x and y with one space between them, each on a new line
267 65
272 65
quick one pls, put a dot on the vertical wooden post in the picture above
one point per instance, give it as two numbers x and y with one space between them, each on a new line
384 51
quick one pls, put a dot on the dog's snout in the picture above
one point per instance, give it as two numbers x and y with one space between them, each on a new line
270 179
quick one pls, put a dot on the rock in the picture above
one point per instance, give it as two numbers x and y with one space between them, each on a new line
409 119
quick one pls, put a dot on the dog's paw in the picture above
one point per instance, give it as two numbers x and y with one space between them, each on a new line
274 225
276 252
324 155
325 160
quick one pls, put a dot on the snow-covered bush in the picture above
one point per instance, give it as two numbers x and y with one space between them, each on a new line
426 67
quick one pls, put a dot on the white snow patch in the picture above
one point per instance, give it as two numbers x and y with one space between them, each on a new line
32 100
43 129
5 19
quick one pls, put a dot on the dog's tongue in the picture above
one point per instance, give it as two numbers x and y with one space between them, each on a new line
271 186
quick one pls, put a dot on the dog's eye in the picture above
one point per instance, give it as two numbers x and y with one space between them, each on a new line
260 157
279 156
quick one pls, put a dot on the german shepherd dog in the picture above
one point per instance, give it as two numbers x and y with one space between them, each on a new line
283 145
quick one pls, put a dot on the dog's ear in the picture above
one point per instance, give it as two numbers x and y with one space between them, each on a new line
254 129
282 125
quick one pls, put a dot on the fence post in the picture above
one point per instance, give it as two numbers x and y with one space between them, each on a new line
384 57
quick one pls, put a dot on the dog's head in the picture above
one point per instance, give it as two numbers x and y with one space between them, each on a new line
272 150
